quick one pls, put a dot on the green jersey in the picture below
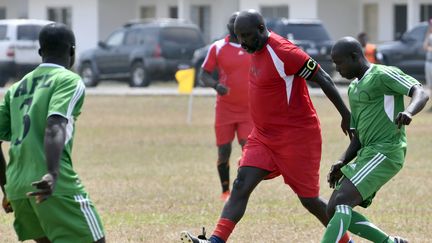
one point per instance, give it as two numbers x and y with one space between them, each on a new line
48 90
375 101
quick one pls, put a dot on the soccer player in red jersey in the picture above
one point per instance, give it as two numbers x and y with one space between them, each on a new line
286 137
232 104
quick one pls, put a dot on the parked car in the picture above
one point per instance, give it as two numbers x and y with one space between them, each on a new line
407 53
19 45
142 51
308 34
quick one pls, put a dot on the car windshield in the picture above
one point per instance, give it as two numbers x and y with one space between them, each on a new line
3 30
182 36
28 32
312 32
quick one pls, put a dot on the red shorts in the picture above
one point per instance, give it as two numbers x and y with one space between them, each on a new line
298 163
225 133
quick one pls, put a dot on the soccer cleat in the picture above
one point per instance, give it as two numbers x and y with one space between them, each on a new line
186 237
397 239
225 196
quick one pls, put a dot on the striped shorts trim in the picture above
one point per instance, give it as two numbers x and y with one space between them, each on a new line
90 217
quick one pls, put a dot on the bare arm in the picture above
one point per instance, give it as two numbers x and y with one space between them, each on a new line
329 89
419 98
55 136
209 81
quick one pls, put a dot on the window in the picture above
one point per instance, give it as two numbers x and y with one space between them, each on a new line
61 15
2 13
400 20
115 39
147 12
425 12
277 11
181 35
28 32
173 12
200 15
3 32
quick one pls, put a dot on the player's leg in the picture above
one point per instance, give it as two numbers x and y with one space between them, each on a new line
224 136
26 222
255 165
42 240
70 219
362 179
234 209
223 166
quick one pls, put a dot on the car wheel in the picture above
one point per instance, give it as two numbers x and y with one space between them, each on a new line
139 76
88 75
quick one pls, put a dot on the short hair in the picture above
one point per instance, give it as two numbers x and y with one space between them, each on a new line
56 39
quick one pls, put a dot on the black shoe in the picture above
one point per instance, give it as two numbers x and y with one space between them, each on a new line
187 237
398 239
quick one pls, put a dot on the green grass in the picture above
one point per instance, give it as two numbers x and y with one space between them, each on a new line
151 175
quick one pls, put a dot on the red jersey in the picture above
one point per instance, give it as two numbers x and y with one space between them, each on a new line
233 64
279 97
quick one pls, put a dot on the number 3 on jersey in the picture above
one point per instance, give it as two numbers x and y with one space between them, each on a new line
26 119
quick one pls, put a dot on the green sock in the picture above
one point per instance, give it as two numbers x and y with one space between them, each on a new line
361 226
338 225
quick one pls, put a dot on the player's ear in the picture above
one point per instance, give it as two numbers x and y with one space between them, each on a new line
261 28
72 51
40 52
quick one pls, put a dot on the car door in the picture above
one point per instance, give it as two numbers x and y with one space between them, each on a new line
27 44
108 55
412 55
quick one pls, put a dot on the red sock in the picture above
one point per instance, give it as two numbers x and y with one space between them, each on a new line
345 238
224 228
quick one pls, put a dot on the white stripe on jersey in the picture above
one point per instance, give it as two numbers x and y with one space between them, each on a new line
279 65
396 76
76 96
389 106
218 45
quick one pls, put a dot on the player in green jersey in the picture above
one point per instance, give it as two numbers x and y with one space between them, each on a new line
37 116
378 117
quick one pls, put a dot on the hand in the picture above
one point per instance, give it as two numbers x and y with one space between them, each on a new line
403 118
221 89
45 187
335 174
6 205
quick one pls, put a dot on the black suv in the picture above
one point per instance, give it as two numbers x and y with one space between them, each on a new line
308 34
142 51
407 53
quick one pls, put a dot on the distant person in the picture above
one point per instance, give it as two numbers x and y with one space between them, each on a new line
369 49
427 45
38 116
286 138
232 104
378 118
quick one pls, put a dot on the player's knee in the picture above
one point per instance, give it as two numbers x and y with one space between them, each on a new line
241 188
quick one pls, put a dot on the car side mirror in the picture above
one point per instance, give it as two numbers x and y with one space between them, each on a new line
102 45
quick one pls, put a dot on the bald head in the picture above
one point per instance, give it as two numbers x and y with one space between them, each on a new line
230 25
347 46
348 56
250 29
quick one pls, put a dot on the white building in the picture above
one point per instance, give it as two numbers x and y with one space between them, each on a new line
93 20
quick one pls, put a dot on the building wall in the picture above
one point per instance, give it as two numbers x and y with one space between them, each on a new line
347 20
112 14
220 11
15 9
85 23
297 9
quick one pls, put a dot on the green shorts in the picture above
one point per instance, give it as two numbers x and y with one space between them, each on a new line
62 219
372 169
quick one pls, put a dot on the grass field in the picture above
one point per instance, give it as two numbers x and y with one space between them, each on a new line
151 176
